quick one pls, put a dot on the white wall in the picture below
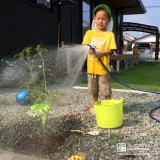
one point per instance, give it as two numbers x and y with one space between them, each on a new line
146 39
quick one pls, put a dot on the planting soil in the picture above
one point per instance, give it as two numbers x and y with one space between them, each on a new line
25 135
40 145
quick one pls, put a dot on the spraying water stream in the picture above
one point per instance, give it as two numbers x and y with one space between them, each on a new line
69 63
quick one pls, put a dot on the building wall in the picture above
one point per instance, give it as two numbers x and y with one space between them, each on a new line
77 22
24 24
66 24
28 24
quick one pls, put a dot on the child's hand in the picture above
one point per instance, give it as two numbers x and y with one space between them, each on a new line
98 55
92 52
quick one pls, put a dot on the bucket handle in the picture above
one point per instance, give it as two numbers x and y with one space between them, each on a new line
99 102
121 99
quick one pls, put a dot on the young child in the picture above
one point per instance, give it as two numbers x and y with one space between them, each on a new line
104 41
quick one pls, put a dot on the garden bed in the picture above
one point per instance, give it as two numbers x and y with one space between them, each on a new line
21 133
27 138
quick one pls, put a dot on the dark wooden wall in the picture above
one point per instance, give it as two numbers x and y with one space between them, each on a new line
27 24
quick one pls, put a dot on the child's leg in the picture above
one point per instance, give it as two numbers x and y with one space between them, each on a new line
105 87
108 97
93 87
93 91
95 98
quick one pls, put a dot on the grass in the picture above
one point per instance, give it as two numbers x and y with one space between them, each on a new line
143 75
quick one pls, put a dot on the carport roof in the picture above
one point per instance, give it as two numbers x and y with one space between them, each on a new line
129 26
128 7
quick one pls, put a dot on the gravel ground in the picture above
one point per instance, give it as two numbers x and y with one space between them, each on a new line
139 134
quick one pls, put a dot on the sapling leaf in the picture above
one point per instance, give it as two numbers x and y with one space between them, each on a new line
42 110
28 50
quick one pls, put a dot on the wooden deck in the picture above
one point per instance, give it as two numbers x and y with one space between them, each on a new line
126 57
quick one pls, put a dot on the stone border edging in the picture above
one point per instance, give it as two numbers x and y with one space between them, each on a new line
118 90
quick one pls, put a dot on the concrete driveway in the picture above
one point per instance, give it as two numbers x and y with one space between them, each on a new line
5 155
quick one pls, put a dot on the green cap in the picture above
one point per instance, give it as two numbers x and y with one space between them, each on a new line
104 7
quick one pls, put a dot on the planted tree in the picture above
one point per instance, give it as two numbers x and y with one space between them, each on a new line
36 87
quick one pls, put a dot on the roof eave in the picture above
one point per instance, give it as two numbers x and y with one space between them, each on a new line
130 7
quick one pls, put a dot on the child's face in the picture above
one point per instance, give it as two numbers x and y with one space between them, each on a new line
102 20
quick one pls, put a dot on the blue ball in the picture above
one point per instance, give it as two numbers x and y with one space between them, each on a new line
21 97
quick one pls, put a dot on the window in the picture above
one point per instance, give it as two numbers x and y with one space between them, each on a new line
44 2
147 45
86 17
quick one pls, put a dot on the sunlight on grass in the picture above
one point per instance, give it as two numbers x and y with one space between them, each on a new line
143 75
84 83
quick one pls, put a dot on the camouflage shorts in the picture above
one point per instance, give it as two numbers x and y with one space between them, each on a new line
98 83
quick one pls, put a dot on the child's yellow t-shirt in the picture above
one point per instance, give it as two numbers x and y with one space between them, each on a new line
103 41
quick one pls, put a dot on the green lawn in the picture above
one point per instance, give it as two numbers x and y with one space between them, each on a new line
143 75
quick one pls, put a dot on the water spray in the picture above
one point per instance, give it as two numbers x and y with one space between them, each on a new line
92 46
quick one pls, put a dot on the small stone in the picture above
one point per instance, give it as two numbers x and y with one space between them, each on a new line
107 157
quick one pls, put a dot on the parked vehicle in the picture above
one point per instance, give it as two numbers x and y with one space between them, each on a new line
144 50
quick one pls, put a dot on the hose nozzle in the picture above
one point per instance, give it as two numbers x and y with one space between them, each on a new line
91 45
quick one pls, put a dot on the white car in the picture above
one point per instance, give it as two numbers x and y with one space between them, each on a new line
144 50
153 55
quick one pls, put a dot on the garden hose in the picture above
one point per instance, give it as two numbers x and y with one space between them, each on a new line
139 89
151 114
126 85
